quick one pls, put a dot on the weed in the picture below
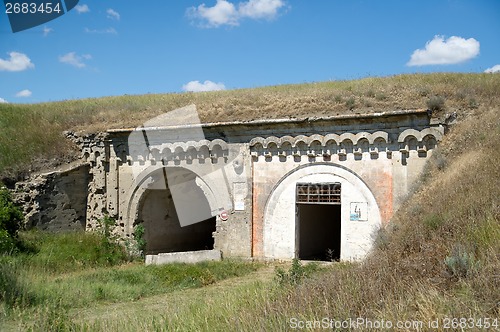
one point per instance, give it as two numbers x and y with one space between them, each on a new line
48 317
295 274
330 255
139 238
485 234
106 225
100 294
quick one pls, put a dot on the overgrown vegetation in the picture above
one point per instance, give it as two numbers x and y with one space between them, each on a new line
31 135
439 257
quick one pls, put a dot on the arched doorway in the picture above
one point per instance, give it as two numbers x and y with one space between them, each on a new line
343 228
176 216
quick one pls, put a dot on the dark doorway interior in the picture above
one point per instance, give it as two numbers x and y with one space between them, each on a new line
163 230
319 221
319 232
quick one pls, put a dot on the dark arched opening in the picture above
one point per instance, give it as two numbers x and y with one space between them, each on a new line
164 232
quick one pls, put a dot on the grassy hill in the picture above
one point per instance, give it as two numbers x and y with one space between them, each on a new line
438 259
31 134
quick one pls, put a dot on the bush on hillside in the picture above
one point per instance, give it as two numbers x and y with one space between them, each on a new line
10 222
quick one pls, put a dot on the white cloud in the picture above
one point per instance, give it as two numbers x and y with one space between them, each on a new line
196 86
3 101
223 13
103 31
81 9
16 62
74 59
494 69
46 31
445 52
260 8
113 15
227 13
24 93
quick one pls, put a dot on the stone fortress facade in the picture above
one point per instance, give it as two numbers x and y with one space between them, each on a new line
276 189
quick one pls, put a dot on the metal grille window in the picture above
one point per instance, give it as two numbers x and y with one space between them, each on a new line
318 193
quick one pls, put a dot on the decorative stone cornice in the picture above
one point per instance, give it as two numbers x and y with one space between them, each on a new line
347 143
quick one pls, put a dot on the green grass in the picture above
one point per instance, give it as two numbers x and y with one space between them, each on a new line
70 252
71 271
31 134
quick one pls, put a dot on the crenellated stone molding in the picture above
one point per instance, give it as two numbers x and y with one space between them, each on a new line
434 133
347 143
172 152
323 140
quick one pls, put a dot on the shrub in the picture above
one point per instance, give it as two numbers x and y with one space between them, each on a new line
461 263
350 103
435 103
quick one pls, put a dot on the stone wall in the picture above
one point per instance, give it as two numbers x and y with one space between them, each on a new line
65 200
55 201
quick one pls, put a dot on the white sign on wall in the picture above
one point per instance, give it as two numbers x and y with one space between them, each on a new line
239 192
359 211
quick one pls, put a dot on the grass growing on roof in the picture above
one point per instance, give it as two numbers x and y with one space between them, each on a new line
33 132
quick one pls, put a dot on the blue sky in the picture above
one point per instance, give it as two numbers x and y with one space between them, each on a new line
117 47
